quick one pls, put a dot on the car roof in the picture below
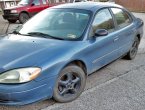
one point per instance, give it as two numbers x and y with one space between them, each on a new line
92 6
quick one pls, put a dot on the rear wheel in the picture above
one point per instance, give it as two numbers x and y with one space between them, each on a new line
70 84
12 21
23 17
133 51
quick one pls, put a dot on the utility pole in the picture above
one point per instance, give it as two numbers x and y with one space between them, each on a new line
15 2
4 3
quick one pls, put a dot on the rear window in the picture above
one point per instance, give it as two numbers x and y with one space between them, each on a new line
121 17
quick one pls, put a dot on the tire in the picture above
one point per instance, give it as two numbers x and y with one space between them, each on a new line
11 21
70 84
133 51
23 17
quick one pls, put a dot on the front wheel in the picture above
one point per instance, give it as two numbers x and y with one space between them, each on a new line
70 84
133 51
23 17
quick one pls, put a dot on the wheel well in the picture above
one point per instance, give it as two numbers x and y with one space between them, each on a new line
79 63
138 36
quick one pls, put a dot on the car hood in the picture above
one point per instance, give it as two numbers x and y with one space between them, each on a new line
20 51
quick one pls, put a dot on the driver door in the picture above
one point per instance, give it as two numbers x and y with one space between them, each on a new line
36 6
104 49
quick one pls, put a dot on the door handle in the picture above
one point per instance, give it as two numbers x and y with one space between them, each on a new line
115 39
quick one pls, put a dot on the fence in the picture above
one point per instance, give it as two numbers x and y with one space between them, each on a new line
133 5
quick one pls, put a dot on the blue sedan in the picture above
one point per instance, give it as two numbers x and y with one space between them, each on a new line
51 55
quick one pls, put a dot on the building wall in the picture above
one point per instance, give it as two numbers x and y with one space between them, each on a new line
1 5
133 5
7 4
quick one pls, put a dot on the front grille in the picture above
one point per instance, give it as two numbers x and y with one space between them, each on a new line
7 12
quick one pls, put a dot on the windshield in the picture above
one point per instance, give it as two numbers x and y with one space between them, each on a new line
24 2
67 24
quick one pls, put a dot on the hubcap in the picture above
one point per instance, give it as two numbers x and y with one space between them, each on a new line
24 18
69 84
134 49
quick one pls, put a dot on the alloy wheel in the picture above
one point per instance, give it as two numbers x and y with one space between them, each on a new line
69 84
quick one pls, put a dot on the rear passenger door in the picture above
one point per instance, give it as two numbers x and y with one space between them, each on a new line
125 30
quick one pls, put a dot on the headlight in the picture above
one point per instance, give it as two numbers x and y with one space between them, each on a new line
20 75
13 11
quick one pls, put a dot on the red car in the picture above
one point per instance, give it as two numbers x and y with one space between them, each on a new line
27 8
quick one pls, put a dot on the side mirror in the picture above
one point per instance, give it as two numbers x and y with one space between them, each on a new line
32 4
101 32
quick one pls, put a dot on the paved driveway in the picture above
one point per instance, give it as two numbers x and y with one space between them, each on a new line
118 86
3 25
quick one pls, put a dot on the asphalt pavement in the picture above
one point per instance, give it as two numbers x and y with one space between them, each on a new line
4 26
118 86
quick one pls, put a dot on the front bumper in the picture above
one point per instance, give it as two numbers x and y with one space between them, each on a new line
11 16
21 94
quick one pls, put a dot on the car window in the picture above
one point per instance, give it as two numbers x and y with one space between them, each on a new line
44 2
36 2
58 1
58 23
122 17
103 20
24 2
51 1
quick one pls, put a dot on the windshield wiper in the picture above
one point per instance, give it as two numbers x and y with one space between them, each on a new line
40 34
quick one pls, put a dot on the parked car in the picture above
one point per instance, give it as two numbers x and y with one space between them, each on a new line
27 8
51 55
